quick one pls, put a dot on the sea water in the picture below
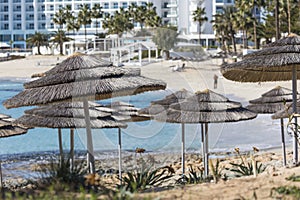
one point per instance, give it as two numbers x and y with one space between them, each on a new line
261 132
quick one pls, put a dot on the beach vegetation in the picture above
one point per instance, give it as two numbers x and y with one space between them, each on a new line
165 38
38 40
118 23
84 18
199 16
294 178
145 15
293 191
58 38
194 176
246 167
145 176
61 172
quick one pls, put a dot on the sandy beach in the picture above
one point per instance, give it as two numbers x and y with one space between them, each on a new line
196 76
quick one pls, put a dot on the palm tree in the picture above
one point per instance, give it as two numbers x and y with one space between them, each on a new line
85 18
250 7
118 23
59 37
152 19
71 23
199 15
220 28
97 13
38 39
224 25
59 18
137 14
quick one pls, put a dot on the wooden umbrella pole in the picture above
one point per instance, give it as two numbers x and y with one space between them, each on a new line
206 170
120 155
61 152
182 149
71 149
283 142
90 148
295 138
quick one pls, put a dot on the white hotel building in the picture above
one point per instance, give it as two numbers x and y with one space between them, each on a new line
21 18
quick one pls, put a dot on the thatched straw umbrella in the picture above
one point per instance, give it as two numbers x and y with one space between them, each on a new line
205 107
278 61
82 78
271 102
124 112
162 105
68 115
8 129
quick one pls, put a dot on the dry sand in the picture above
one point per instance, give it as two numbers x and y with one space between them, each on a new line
196 76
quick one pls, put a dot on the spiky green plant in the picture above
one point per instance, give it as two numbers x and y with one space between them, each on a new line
288 190
247 168
193 177
62 173
145 178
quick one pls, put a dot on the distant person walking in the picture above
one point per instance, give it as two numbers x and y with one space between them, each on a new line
215 81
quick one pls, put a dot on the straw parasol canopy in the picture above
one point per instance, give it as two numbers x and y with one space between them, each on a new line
9 128
286 111
204 107
278 61
161 105
81 78
72 79
273 63
271 101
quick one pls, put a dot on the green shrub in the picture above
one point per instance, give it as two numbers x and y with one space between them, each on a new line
246 168
145 177
288 190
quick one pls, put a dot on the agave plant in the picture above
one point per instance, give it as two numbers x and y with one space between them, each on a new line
145 178
246 168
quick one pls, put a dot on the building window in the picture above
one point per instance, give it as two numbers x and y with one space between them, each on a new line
40 1
143 3
115 5
4 38
17 17
31 26
3 1
5 9
18 37
29 1
6 17
125 5
16 1
17 8
219 9
5 26
106 5
219 1
18 26
51 7
42 26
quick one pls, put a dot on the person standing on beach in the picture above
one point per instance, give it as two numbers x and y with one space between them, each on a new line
215 81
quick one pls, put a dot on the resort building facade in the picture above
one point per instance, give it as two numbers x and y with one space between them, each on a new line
19 19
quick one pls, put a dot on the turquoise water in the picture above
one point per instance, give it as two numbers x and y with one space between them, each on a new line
262 132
